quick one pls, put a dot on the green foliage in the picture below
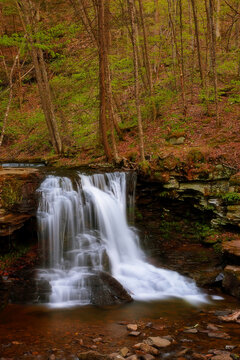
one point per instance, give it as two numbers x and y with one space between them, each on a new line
11 194
231 197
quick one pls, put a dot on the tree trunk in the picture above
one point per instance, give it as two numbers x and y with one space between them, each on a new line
9 98
29 15
132 13
197 40
213 57
102 79
148 65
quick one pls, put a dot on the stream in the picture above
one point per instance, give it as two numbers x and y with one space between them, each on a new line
85 227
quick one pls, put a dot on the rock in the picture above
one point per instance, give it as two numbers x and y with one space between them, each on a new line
212 327
146 348
132 327
191 331
18 198
219 335
106 290
230 347
99 339
91 355
124 351
222 357
176 140
196 356
134 333
231 281
113 356
183 352
158 342
148 357
230 317
133 357
232 248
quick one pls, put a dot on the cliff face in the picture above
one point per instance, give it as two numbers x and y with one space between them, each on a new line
18 198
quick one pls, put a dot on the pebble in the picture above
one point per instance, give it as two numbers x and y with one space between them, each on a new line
222 357
196 356
132 327
212 327
99 339
124 351
157 342
219 335
132 357
191 331
148 357
230 347
146 348
134 333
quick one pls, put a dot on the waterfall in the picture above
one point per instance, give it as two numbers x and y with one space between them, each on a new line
83 229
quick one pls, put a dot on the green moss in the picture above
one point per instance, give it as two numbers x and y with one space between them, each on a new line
231 197
11 194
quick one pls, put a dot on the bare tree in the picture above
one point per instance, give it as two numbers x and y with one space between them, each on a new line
133 19
29 13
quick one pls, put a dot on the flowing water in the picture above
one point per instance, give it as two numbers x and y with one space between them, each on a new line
83 229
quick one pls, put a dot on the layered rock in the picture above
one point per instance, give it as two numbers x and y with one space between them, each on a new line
18 199
231 281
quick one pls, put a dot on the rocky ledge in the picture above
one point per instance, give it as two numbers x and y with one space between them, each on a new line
18 200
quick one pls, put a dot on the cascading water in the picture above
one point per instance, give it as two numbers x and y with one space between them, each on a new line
85 230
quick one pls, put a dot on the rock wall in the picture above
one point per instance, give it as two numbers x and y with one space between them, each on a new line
18 198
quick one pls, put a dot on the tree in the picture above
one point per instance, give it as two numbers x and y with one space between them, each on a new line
134 38
29 14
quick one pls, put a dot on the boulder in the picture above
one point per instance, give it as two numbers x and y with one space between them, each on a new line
231 281
106 290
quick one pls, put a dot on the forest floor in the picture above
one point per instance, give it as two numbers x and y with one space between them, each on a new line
170 134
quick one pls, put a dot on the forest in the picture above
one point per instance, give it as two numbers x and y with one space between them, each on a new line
119 81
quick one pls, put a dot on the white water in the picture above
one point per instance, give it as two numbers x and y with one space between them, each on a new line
79 229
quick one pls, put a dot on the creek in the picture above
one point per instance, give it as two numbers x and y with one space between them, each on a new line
86 228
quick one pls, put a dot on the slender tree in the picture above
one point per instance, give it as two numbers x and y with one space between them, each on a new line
134 33
29 14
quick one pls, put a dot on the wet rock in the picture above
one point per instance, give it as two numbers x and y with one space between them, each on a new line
132 327
231 317
219 335
183 352
232 249
191 331
134 357
134 333
146 348
222 357
148 357
230 347
99 339
212 327
112 356
91 355
158 342
124 351
231 281
196 356
106 290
